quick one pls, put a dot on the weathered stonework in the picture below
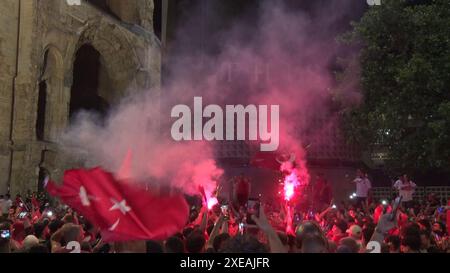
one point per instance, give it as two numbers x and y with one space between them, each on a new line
38 42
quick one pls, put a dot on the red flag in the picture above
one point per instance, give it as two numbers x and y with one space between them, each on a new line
203 193
123 211
35 216
35 203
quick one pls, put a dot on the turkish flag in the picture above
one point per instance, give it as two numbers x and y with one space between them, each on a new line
123 211
35 203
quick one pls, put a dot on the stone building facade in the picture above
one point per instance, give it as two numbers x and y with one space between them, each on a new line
57 58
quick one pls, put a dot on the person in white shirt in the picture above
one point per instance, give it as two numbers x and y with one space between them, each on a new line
405 188
363 187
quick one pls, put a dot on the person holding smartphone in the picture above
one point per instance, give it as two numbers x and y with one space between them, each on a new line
363 187
405 188
5 238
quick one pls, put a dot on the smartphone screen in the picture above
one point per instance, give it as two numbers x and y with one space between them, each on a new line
5 234
241 228
22 214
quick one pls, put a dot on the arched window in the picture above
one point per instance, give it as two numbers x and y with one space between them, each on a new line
88 72
41 110
157 18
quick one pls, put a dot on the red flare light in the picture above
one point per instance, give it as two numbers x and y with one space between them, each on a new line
212 201
290 183
209 199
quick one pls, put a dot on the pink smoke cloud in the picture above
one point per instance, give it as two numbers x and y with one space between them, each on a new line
284 62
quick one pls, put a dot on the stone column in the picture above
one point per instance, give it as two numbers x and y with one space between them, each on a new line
8 58
23 167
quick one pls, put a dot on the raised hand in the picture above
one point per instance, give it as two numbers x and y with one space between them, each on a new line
262 221
385 224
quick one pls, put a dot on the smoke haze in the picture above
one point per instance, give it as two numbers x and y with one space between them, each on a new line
274 54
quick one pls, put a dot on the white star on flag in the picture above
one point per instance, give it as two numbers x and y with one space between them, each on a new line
84 197
122 206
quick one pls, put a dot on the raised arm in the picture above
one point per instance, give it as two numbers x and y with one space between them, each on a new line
55 239
215 231
276 246
323 213
350 180
384 225
225 226
204 220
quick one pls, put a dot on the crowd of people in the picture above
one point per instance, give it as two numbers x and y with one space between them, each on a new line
37 224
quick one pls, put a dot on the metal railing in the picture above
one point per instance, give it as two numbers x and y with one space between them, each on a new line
442 192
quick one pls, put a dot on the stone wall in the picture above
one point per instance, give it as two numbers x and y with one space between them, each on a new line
38 44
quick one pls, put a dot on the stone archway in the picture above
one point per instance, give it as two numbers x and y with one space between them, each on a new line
118 51
91 83
118 60
138 12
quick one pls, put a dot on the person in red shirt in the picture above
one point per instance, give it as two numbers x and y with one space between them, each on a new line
17 235
35 202
338 231
380 210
